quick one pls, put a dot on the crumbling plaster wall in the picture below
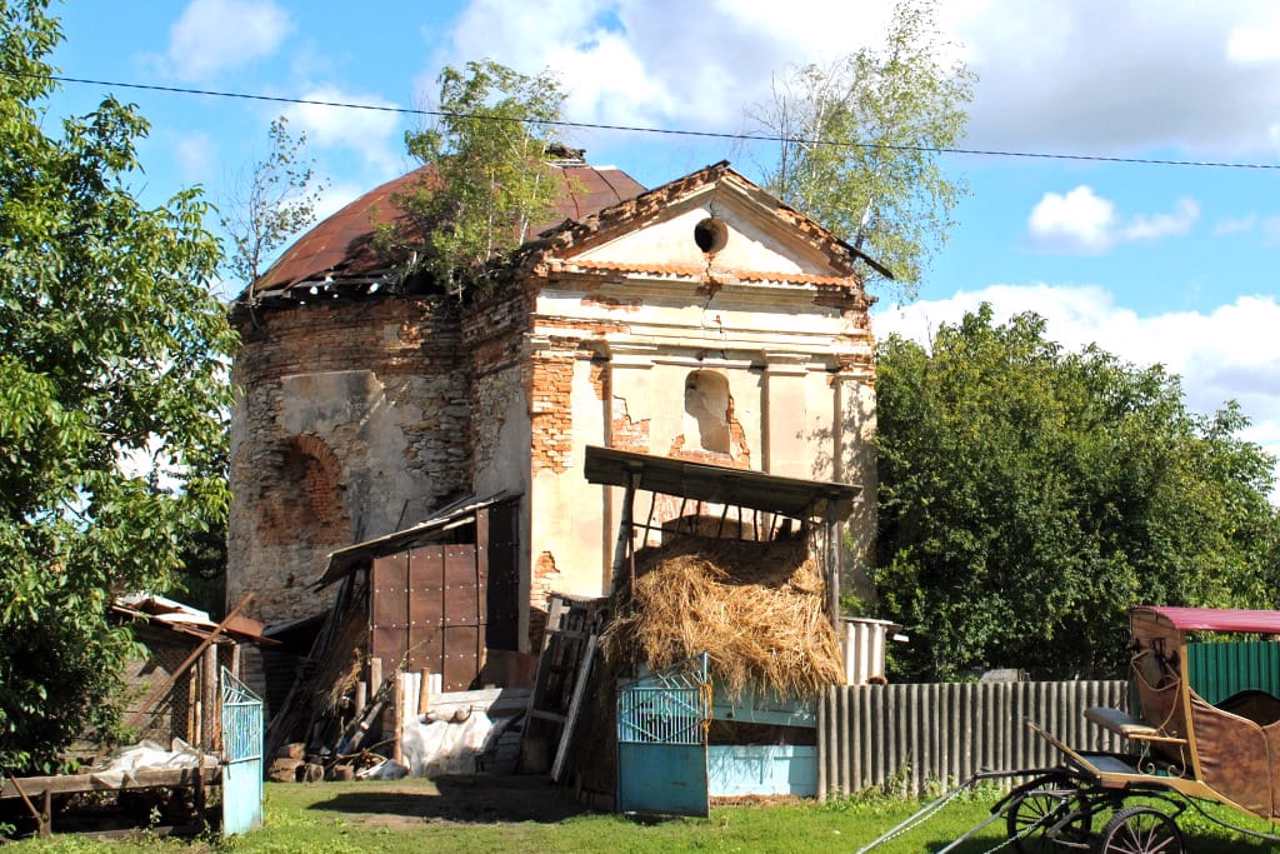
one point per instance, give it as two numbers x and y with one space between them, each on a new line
351 422
797 365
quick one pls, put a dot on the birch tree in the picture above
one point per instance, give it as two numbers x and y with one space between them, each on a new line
860 138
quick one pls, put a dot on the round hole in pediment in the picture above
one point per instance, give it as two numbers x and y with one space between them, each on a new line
711 234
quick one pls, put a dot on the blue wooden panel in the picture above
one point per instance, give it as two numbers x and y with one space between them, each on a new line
242 746
666 779
762 769
751 708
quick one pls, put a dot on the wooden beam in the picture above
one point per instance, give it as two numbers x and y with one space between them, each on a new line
143 778
166 686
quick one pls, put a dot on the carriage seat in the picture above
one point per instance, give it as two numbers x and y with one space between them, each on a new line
1121 723
1258 706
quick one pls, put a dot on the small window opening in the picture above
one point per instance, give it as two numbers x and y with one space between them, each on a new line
706 401
711 234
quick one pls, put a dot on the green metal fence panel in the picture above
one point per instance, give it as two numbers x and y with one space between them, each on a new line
1221 670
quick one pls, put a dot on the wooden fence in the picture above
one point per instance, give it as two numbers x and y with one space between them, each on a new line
913 735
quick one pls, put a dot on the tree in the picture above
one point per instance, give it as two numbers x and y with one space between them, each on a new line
276 200
1029 496
487 181
897 104
111 345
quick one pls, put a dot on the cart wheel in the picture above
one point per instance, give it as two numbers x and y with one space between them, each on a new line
1044 810
1141 830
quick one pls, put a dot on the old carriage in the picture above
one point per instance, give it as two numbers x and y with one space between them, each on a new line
1203 727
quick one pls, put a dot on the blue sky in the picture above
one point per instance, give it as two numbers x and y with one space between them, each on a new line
1157 263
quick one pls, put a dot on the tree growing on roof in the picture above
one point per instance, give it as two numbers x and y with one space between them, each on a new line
487 184
275 200
895 102
1029 496
112 381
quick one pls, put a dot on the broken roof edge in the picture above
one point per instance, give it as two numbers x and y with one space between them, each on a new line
342 561
573 232
796 498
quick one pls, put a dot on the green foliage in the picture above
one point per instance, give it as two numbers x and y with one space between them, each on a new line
111 348
276 200
900 99
487 182
1029 496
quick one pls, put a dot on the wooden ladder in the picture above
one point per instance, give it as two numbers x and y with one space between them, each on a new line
564 666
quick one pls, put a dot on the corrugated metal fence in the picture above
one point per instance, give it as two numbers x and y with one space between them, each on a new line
869 735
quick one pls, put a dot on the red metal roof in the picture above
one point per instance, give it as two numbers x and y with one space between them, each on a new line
1216 619
343 241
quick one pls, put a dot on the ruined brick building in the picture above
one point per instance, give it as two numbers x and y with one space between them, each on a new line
702 319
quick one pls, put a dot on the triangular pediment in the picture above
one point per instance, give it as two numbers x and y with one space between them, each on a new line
761 236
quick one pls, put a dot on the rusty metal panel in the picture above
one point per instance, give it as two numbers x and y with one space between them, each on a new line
462 595
390 598
461 664
426 602
390 644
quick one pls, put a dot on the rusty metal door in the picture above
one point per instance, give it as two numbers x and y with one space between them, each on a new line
428 610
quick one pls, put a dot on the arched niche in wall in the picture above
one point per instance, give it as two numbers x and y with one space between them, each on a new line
706 407
302 496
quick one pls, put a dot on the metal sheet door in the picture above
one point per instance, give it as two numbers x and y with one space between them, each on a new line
662 741
242 746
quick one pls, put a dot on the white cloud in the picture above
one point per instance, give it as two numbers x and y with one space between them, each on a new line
1236 225
1080 218
1154 226
1254 43
1051 76
1083 221
214 35
196 156
367 132
1231 352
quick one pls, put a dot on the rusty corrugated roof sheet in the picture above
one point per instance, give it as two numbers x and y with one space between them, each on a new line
342 243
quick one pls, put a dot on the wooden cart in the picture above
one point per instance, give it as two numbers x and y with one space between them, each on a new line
1185 752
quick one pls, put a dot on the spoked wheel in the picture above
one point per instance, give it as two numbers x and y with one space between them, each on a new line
1141 830
1032 816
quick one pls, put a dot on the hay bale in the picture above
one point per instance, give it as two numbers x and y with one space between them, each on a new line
757 609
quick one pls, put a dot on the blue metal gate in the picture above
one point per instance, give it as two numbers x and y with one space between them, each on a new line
242 738
662 741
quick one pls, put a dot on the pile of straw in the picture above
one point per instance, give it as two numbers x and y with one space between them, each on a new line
757 609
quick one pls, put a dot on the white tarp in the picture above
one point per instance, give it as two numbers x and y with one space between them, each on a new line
148 754
454 744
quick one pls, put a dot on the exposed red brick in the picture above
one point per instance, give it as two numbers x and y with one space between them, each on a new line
600 378
550 387
302 501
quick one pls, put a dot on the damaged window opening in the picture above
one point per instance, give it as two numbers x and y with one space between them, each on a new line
706 402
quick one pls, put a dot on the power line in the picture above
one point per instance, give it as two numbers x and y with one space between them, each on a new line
707 134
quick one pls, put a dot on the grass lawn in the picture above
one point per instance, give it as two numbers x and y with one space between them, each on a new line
521 814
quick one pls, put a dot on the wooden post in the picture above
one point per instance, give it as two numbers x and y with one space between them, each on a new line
397 716
46 814
209 698
424 693
235 660
622 551
362 697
